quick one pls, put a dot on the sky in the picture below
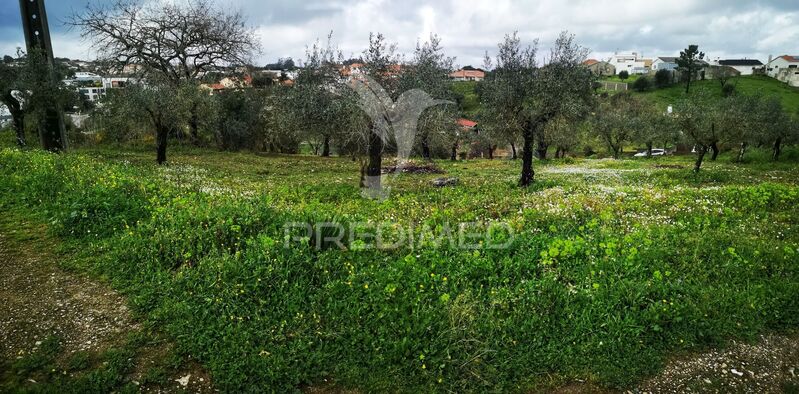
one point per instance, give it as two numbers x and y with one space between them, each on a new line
469 28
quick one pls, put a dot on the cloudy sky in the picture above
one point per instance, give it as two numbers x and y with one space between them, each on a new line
722 28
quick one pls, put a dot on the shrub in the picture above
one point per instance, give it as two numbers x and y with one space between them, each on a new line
642 84
624 75
662 78
728 90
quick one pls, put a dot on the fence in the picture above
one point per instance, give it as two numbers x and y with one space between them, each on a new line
614 86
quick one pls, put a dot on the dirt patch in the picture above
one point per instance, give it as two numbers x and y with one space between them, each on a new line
771 365
669 166
412 168
38 300
41 303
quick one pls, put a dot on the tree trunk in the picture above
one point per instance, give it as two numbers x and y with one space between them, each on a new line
374 165
425 148
741 152
52 132
194 125
777 148
513 151
527 157
700 156
162 134
454 154
326 147
491 151
542 150
17 116
715 148
649 149
688 82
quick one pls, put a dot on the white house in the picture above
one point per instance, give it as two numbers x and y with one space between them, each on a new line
744 66
664 63
775 66
630 62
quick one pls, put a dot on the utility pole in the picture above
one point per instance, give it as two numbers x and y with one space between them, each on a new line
37 39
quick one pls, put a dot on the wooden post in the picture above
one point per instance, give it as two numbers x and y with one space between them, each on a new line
37 39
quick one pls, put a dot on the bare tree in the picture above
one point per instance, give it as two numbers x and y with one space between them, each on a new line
176 41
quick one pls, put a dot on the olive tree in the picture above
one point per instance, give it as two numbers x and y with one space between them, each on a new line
696 118
165 107
316 109
172 42
525 98
429 71
617 120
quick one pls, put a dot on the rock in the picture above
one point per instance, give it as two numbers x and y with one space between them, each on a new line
184 381
443 182
736 373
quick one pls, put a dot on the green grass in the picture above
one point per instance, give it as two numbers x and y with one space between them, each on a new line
615 78
471 102
744 85
615 265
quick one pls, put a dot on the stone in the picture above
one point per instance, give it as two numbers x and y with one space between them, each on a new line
443 182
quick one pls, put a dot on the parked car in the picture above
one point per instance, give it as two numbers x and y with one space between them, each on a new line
655 152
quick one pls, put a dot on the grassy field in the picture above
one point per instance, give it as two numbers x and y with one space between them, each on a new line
471 102
612 266
748 85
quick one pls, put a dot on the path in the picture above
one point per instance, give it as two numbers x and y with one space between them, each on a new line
39 300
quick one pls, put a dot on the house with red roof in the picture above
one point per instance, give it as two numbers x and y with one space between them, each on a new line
600 68
468 74
467 124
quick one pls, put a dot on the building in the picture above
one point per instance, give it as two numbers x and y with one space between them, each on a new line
630 62
466 74
115 82
91 93
775 66
600 68
743 66
664 63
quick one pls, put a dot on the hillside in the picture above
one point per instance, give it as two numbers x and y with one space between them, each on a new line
664 97
744 85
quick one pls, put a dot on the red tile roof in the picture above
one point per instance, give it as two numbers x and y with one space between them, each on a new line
792 59
467 123
468 74
590 62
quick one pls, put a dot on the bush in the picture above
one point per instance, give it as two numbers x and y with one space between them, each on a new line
728 90
624 75
642 84
662 78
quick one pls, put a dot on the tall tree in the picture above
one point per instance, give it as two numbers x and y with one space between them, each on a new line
381 64
429 71
689 64
316 95
525 97
696 118
617 121
177 41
